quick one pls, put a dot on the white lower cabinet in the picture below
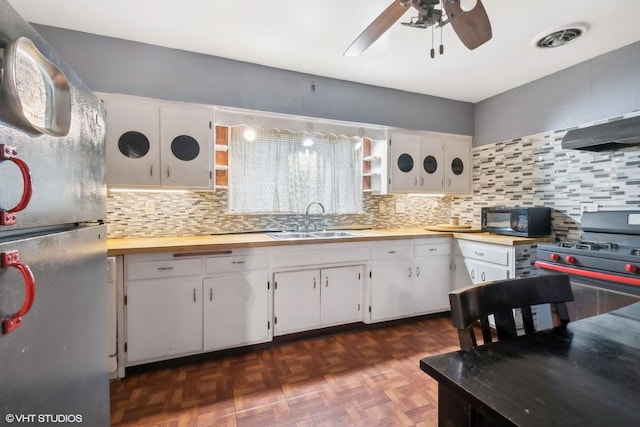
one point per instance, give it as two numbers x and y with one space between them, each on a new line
409 278
296 301
235 310
340 292
180 305
164 318
310 299
482 262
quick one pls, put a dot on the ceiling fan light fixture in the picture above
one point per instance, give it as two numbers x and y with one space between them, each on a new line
467 5
560 37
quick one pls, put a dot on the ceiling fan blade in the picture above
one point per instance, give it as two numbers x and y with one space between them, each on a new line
472 27
377 28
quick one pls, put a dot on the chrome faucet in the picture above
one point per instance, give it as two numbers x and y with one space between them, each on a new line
306 214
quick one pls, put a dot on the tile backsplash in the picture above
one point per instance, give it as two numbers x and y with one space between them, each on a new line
528 171
536 171
203 213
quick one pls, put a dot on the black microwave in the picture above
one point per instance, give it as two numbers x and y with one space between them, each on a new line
517 221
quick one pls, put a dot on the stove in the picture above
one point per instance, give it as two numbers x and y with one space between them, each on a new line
607 256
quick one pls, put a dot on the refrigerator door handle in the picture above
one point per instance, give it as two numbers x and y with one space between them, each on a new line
8 217
11 259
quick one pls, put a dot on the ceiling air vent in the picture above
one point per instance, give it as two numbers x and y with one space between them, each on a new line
560 37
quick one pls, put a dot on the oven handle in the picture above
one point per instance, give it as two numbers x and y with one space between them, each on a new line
589 273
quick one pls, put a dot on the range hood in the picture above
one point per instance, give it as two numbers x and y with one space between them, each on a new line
606 136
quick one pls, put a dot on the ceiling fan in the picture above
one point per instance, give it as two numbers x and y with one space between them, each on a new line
469 21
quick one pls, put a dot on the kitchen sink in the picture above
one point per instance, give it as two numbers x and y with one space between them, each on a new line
333 234
288 235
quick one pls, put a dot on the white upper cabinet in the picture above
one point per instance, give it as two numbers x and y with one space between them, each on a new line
458 167
133 135
185 146
429 163
154 143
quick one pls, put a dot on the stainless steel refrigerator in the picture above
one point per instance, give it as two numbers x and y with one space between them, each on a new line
53 272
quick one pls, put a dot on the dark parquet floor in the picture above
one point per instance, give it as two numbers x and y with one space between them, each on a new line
367 378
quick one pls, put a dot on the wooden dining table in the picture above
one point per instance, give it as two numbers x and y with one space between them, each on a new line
584 374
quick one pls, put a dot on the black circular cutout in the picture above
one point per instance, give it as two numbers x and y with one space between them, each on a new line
133 144
405 162
185 147
457 166
430 164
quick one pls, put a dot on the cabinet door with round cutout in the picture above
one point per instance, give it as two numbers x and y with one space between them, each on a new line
432 165
185 135
458 163
132 141
404 163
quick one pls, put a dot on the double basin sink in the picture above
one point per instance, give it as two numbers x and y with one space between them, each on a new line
287 235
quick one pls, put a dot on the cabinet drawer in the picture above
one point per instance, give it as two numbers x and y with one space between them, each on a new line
227 264
159 269
391 251
488 253
326 254
432 249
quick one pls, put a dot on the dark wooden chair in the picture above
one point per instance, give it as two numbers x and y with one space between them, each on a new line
475 303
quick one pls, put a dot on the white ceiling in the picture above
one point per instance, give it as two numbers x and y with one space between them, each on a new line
310 37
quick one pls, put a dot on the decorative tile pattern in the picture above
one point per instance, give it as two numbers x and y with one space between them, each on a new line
203 213
536 171
368 377
525 260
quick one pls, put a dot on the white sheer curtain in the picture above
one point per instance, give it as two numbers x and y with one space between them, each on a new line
276 173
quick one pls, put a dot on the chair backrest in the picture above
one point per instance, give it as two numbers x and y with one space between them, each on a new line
475 303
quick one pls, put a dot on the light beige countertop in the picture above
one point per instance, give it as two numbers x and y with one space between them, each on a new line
128 246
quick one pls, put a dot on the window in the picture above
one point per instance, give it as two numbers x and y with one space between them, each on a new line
275 172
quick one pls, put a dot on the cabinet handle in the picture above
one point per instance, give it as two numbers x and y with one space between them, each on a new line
237 262
415 181
11 259
392 252
314 283
151 170
187 254
210 294
417 271
421 181
433 249
473 273
165 268
168 172
409 271
483 277
194 294
326 282
449 182
478 253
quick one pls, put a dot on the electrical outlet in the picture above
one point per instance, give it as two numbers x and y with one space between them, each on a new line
399 207
588 207
149 207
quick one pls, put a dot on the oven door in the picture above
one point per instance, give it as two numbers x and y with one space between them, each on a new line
594 292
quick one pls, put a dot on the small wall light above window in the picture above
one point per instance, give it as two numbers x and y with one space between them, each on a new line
249 134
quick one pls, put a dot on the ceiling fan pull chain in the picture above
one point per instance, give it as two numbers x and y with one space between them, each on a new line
441 45
433 51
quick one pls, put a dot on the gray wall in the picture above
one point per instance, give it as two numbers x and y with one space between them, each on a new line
607 86
115 65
